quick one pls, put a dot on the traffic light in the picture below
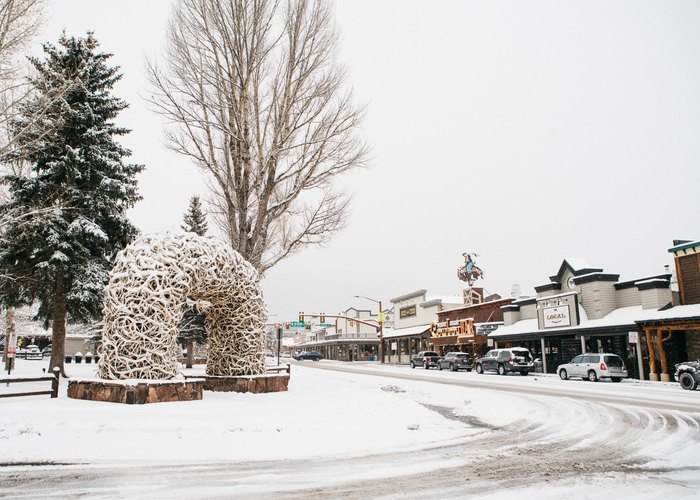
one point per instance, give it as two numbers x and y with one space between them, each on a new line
301 317
323 318
352 323
286 325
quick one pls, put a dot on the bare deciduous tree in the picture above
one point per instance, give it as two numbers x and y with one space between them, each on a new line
255 98
19 23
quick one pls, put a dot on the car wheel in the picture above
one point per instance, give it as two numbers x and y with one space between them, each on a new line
523 374
501 370
440 366
452 368
425 365
413 365
687 381
479 369
616 379
563 375
592 377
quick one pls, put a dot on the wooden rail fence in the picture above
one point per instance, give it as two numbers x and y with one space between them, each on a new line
49 378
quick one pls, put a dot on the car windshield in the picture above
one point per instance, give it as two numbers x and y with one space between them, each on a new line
614 361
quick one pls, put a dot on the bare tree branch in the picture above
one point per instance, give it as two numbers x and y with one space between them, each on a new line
254 97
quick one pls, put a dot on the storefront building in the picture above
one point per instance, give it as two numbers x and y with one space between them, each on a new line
352 337
466 328
584 309
413 315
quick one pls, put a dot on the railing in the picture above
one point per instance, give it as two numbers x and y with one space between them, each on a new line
287 368
53 379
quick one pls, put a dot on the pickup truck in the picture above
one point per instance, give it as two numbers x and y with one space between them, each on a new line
426 359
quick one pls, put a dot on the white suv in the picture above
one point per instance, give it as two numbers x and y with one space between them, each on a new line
593 366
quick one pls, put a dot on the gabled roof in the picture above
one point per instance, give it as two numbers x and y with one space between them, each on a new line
577 267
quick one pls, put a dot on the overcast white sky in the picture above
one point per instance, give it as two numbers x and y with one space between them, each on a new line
524 131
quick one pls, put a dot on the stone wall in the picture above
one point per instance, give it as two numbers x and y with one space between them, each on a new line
256 384
136 393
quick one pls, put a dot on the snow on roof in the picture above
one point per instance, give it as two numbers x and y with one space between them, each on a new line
401 332
684 246
624 316
577 263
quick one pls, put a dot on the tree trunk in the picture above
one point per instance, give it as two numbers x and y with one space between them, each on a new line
11 334
190 353
58 327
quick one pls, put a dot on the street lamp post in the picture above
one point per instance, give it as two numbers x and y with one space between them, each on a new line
381 326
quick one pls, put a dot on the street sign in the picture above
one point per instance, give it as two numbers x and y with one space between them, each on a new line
297 324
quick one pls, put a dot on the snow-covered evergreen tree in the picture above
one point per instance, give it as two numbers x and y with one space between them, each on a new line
74 201
195 218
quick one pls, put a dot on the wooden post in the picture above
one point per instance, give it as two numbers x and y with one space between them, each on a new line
665 377
652 358
55 381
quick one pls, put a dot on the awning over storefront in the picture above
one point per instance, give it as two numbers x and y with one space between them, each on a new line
405 332
618 322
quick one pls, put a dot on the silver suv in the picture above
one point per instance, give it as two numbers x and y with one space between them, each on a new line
593 366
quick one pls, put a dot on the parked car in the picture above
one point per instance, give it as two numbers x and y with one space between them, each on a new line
688 374
503 361
33 352
312 355
47 350
426 359
594 366
455 361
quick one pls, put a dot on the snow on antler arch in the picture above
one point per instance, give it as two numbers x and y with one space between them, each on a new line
152 281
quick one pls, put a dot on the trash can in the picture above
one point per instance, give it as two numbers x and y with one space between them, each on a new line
88 358
69 359
95 358
371 357
78 357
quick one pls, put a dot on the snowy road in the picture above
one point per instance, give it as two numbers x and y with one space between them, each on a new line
407 433
667 396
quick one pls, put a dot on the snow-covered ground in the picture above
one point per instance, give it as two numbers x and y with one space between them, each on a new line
338 433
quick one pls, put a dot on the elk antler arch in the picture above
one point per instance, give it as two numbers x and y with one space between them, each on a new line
152 281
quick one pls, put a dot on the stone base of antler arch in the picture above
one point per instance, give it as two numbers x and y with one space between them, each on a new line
256 384
136 391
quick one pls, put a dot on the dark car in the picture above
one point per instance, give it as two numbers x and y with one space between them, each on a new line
688 374
455 361
312 355
426 359
503 361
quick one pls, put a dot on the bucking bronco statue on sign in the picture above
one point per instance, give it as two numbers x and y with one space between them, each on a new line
469 272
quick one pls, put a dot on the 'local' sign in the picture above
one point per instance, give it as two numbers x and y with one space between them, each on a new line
556 316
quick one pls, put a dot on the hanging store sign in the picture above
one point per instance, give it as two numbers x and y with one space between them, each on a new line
556 316
633 337
485 329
